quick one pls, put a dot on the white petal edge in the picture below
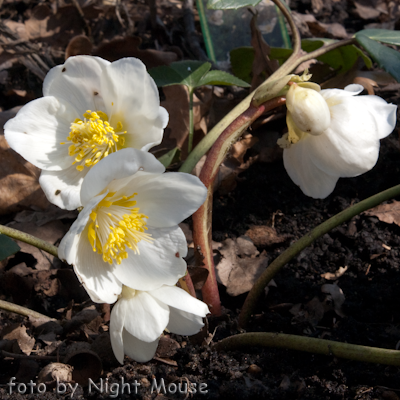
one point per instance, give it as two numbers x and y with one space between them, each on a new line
169 198
63 188
117 320
159 262
138 350
181 300
77 81
37 131
184 323
145 316
117 165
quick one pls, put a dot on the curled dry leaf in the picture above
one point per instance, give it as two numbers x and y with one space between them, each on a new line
54 372
389 213
18 332
167 347
337 297
265 236
78 45
240 265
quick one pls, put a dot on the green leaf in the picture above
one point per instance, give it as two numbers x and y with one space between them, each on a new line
386 57
7 247
167 158
382 35
186 73
221 78
230 4
242 62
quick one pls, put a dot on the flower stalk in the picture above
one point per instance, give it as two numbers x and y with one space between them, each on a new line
26 312
311 345
202 218
27 238
338 219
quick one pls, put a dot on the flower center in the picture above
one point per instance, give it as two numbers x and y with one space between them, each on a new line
93 138
117 224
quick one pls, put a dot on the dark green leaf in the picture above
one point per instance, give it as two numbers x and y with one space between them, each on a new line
167 158
382 35
230 4
7 247
221 78
186 73
242 62
386 57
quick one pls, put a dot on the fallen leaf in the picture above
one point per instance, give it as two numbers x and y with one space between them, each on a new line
79 45
389 213
18 332
265 236
337 297
167 347
237 273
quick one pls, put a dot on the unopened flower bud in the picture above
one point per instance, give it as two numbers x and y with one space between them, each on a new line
309 110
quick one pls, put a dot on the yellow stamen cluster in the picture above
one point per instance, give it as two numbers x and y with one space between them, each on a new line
117 224
93 139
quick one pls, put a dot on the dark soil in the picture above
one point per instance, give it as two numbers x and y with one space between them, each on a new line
265 195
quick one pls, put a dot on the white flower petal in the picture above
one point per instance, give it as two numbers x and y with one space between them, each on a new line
118 165
137 349
181 300
77 81
133 100
159 262
184 323
117 320
37 131
95 274
145 316
68 246
63 188
169 198
350 146
298 162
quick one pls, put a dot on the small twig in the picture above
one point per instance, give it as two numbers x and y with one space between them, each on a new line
311 345
26 312
14 355
305 241
27 238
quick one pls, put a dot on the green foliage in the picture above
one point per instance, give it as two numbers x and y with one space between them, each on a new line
192 74
230 4
382 35
7 247
168 158
386 57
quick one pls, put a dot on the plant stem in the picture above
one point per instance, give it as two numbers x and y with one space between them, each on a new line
202 219
186 284
191 128
25 237
5 305
311 345
301 244
290 64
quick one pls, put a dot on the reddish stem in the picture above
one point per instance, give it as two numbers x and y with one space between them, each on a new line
202 218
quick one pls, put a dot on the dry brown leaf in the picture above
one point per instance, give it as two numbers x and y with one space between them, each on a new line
79 45
369 9
238 149
18 332
366 83
336 295
129 47
261 64
167 347
389 213
264 236
237 273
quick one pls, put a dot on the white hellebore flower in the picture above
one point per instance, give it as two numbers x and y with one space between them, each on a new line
91 108
139 318
332 134
128 233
